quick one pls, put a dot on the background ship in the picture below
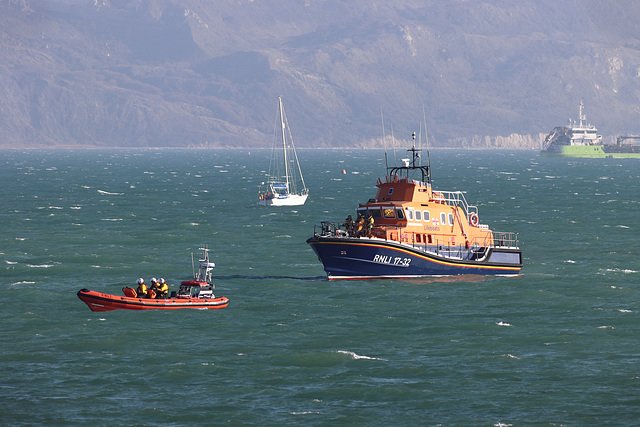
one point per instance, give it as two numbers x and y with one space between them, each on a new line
581 139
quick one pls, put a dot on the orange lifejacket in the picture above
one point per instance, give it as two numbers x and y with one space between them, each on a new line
130 292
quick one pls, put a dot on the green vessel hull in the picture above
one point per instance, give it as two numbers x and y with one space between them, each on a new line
590 151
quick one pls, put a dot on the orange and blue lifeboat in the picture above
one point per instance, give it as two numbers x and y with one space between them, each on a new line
409 230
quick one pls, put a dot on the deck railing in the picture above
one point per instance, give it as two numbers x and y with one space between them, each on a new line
392 233
505 239
454 198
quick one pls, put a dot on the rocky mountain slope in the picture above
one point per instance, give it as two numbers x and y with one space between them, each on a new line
196 73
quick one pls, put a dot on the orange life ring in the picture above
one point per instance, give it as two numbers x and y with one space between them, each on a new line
473 219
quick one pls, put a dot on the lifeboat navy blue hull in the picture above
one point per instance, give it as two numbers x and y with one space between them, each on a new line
363 258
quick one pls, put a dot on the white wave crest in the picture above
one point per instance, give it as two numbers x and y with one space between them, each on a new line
620 270
503 324
40 265
355 356
110 194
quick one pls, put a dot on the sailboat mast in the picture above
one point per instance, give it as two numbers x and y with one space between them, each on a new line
284 143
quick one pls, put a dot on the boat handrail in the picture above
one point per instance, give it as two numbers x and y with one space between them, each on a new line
501 239
441 248
402 179
505 239
454 198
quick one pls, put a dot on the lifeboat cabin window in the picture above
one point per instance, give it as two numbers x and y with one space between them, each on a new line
443 218
410 214
400 213
375 213
390 191
388 213
426 216
450 219
418 215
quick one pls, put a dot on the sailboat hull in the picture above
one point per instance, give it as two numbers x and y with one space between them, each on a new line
289 200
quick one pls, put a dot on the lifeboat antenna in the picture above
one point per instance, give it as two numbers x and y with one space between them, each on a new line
384 140
193 267
426 139
413 148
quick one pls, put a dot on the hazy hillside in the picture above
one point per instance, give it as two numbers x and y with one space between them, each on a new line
200 73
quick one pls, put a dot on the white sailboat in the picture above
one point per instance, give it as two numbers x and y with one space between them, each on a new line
285 185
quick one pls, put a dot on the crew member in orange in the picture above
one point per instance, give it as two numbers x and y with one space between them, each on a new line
154 291
359 224
142 289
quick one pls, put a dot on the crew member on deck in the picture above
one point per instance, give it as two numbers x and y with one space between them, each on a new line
359 225
348 225
154 291
142 289
369 224
162 289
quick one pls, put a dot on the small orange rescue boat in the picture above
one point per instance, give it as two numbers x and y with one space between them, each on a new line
196 293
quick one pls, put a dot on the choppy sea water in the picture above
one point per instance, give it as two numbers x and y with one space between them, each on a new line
557 345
